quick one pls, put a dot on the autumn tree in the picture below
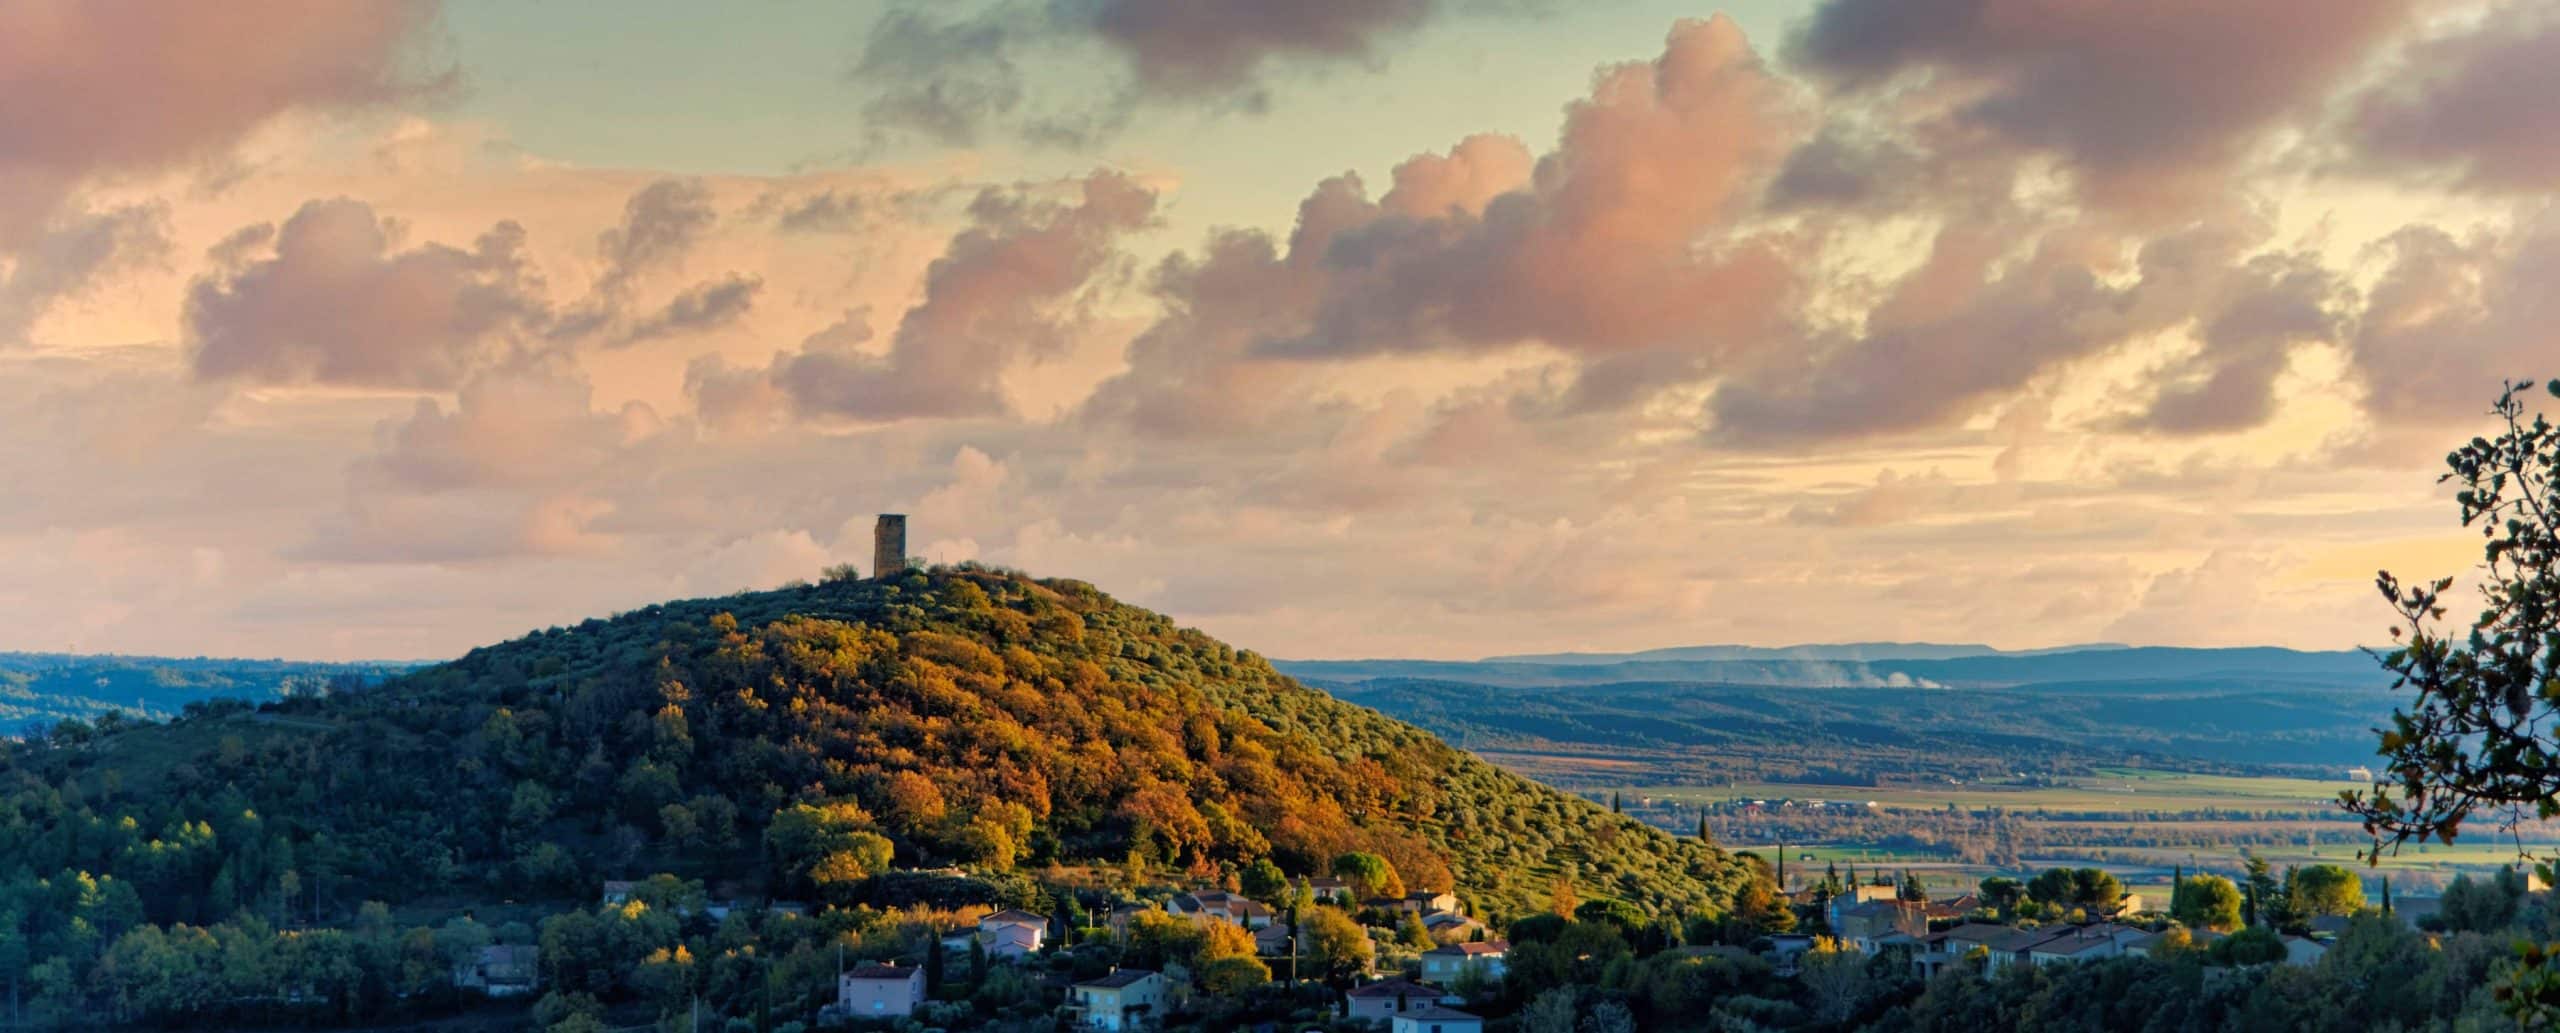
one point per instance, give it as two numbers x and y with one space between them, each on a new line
1338 945
1370 875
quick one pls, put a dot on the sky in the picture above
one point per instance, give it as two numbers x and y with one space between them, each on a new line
1337 328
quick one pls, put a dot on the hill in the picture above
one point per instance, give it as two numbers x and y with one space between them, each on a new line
41 688
797 743
1861 721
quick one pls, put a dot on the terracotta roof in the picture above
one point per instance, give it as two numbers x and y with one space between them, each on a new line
891 972
1486 947
1013 916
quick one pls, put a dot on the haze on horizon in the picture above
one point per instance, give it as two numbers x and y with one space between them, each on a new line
1442 328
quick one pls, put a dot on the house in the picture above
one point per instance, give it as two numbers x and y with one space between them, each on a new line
1327 889
1865 925
1445 964
1424 903
617 892
1852 897
2304 952
1125 999
1272 941
2074 945
1953 907
2014 948
879 991
501 971
1436 1019
1385 999
1013 934
1446 926
1222 906
1120 917
1959 943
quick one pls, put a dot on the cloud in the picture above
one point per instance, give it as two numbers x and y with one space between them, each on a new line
1621 242
2476 103
521 465
660 225
70 253
1012 287
1975 318
954 72
2267 306
1191 47
2452 316
99 89
704 306
338 302
942 79
2149 102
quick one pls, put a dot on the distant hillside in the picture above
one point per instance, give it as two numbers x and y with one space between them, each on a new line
1860 721
1837 651
43 688
2097 663
960 717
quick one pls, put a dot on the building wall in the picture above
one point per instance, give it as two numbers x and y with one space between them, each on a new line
867 998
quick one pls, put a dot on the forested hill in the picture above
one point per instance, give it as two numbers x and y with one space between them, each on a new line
797 743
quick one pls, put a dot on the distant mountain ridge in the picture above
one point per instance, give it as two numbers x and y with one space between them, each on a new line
2090 664
1809 651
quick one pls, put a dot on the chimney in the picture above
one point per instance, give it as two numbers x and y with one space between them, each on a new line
889 546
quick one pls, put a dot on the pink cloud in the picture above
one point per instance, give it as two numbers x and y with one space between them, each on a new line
337 302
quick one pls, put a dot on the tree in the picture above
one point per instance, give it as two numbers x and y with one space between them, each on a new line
2096 889
1835 976
2479 734
2325 889
1263 881
1412 933
2052 886
2207 902
2003 893
1911 889
1336 943
1370 875
1231 977
2256 945
2266 894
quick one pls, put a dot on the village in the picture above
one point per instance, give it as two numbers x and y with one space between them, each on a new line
1418 962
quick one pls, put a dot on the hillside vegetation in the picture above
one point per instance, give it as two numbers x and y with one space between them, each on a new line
797 744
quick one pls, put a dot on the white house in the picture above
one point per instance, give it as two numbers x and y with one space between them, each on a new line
1013 934
1444 965
1125 999
1436 1019
879 991
1385 999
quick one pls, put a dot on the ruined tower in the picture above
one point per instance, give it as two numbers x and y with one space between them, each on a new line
889 546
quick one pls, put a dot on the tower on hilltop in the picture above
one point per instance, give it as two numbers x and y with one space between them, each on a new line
889 546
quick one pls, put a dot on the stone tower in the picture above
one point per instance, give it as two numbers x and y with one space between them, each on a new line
889 546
